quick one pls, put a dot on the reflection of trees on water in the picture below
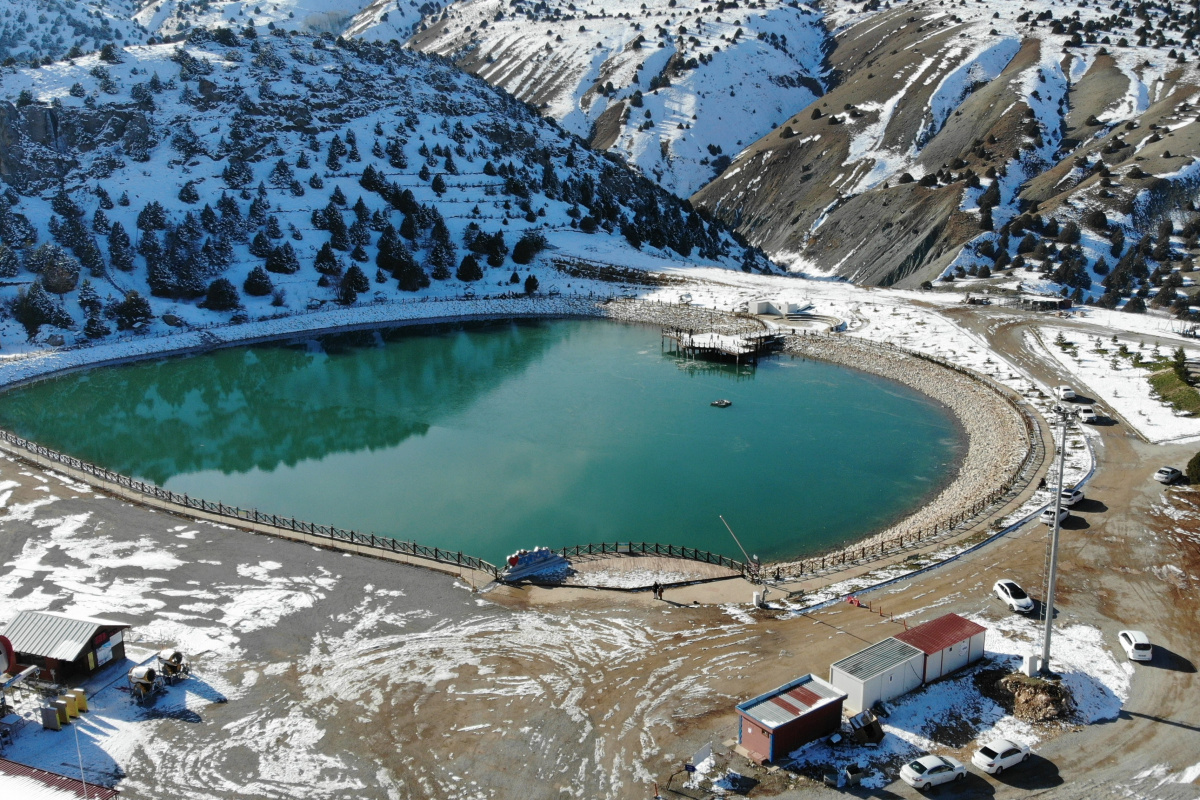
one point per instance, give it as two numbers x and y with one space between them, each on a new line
233 410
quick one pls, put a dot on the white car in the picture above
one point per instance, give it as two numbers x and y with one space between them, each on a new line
1167 475
1086 414
1071 496
1012 595
929 771
1064 392
1136 645
1047 516
999 754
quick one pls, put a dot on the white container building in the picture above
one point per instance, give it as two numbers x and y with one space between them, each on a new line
879 673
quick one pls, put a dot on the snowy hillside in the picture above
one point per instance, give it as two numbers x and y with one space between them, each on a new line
250 177
949 121
676 88
393 19
40 29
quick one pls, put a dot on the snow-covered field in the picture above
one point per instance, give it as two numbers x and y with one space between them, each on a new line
1118 384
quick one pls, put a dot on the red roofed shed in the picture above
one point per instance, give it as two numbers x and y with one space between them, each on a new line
774 724
949 643
30 783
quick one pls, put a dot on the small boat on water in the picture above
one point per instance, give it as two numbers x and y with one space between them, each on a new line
722 403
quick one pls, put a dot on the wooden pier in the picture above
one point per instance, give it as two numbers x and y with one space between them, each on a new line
711 346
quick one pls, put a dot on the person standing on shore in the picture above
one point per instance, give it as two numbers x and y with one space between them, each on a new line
657 590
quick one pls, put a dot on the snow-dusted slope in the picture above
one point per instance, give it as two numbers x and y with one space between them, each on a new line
258 154
935 104
39 29
676 88
394 19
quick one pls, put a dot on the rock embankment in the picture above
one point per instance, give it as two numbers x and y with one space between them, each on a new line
997 440
681 317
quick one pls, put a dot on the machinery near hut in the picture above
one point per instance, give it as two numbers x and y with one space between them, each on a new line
173 666
144 682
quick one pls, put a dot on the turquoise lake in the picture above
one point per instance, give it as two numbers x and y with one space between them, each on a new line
489 437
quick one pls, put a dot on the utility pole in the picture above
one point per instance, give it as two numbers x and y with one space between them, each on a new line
1049 601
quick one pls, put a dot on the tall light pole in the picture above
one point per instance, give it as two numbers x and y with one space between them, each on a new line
1049 601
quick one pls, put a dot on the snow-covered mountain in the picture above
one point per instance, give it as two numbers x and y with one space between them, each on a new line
253 176
988 124
676 87
35 30
387 19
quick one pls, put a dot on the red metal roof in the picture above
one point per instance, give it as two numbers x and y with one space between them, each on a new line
791 701
938 634
54 781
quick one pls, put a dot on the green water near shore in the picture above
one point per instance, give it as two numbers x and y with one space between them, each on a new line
490 437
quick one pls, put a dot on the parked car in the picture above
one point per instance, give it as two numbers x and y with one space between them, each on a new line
1064 392
929 771
1136 645
1167 475
1071 496
1047 516
1086 414
1012 595
1000 754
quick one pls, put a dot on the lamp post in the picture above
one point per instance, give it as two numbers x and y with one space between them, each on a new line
1049 601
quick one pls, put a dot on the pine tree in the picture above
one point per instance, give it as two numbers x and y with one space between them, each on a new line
408 228
412 278
274 231
260 245
222 295
60 274
132 312
337 198
100 223
345 294
9 263
530 244
339 237
283 260
258 283
188 193
531 284
120 251
95 328
208 219
281 175
469 269
438 185
89 298
357 279
327 262
153 217
35 308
